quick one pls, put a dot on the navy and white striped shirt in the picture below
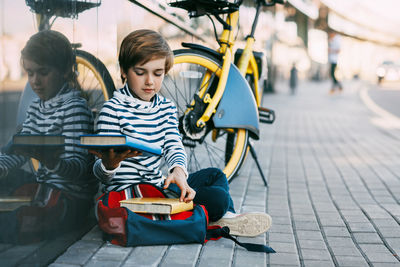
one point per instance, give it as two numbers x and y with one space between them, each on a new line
67 113
154 122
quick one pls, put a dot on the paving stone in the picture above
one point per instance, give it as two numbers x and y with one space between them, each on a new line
183 255
356 219
318 263
394 243
367 238
248 208
390 232
311 235
385 264
102 263
63 265
312 244
336 231
351 261
281 237
284 259
212 251
385 199
333 221
94 235
349 213
247 258
86 245
381 257
361 227
214 261
109 252
335 241
315 254
278 220
374 248
346 251
307 225
283 228
74 257
281 247
278 213
304 217
145 256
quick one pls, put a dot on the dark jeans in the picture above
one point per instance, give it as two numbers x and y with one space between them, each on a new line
335 81
212 191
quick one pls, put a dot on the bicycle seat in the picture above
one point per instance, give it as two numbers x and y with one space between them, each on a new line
197 8
61 8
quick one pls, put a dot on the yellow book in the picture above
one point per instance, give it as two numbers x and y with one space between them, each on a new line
156 205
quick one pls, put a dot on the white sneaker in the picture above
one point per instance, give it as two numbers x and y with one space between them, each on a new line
246 224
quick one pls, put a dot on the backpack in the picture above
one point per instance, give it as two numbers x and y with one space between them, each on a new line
121 226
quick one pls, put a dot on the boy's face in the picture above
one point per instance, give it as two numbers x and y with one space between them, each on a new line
145 80
45 81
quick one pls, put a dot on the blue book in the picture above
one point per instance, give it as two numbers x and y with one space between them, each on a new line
119 143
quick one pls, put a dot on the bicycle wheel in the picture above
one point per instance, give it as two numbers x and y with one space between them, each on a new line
96 83
194 75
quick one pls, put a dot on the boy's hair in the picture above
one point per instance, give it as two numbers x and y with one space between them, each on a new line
52 48
141 46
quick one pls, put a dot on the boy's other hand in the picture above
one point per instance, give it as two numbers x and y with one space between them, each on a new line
111 158
178 177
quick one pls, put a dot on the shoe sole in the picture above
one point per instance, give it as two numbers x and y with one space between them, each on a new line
249 224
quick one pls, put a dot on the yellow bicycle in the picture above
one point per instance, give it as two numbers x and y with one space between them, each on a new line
217 97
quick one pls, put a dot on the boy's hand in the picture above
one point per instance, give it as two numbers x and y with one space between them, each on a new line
178 177
111 158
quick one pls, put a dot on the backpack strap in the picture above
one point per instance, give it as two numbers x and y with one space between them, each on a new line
216 233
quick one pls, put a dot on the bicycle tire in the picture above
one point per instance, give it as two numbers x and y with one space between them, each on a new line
221 148
95 81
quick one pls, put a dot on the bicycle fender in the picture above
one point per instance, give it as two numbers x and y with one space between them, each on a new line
237 108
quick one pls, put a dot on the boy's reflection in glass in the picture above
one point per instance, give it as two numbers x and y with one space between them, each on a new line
62 188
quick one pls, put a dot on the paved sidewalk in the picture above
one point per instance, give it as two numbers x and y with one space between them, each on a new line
334 193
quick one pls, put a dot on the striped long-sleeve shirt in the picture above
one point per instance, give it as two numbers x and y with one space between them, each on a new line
66 114
154 122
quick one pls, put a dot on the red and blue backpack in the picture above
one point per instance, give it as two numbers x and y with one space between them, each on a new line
123 227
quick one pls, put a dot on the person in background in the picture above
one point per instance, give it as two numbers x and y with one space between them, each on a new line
293 79
333 55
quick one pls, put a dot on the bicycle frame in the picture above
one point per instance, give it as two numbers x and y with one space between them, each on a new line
246 65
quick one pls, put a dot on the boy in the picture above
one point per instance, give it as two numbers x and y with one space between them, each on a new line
137 110
63 177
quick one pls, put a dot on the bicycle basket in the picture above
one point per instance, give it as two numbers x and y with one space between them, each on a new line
61 8
197 8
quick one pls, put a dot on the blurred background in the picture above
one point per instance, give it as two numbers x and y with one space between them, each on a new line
295 33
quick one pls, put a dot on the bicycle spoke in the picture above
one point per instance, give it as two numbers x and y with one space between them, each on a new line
211 155
193 158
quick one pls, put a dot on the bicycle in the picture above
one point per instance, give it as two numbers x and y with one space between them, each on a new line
206 85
